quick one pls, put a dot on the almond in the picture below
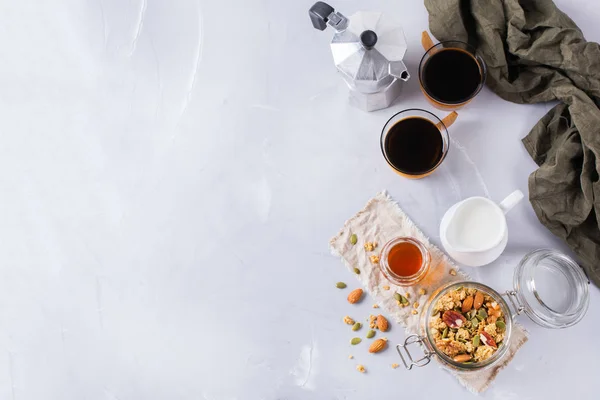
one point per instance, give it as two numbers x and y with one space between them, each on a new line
355 296
377 346
478 300
462 358
487 340
467 304
382 323
453 319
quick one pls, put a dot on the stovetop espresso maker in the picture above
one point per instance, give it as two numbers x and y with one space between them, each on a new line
367 49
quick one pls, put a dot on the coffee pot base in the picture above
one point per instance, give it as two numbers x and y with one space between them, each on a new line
378 100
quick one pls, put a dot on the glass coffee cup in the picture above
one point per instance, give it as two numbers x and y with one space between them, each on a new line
414 142
451 74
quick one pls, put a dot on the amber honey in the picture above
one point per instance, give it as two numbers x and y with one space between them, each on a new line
405 259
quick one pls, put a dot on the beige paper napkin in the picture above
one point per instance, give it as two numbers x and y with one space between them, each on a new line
380 221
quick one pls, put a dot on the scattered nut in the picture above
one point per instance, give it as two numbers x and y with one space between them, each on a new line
416 304
422 292
453 272
348 320
370 334
374 259
357 271
394 365
355 296
414 312
375 305
382 323
353 239
372 321
386 287
377 345
360 368
369 246
355 341
340 285
356 326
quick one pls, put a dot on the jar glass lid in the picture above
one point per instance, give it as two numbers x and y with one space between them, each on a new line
551 289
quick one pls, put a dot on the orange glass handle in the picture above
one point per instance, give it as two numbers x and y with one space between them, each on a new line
426 41
448 120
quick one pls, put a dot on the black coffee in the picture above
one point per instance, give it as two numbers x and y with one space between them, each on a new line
451 76
414 145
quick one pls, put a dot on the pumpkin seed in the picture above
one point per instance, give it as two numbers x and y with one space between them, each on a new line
445 333
370 334
482 313
476 340
475 322
356 326
355 341
353 239
462 340
500 325
357 271
400 298
340 285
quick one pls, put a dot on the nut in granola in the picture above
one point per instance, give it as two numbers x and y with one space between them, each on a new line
453 319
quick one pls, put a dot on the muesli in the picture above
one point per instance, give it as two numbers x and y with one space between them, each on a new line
467 325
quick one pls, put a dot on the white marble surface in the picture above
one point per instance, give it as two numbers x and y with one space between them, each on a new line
171 173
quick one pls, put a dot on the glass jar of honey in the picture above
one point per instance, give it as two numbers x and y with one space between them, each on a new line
404 261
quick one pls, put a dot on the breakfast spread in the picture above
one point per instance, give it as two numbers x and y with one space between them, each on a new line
466 325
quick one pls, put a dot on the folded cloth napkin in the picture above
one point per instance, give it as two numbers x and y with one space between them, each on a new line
536 53
380 221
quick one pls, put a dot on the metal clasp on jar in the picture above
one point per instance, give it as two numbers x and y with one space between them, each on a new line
511 295
421 362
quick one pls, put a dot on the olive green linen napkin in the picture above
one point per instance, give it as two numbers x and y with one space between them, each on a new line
380 221
536 53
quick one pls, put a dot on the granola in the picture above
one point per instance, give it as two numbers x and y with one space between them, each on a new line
472 339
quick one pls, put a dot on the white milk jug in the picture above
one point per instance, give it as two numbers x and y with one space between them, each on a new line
474 231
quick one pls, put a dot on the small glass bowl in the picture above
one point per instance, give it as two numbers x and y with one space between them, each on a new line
404 280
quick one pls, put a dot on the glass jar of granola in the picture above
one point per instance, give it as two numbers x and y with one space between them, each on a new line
468 326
